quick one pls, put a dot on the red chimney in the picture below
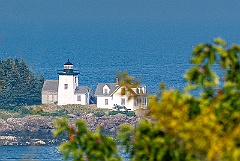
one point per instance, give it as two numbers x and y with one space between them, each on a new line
117 83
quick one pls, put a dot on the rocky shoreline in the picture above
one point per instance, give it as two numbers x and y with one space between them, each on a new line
37 130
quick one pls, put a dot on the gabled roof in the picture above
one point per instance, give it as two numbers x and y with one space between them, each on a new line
50 86
82 89
99 90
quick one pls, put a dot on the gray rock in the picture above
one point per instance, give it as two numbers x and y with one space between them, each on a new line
40 127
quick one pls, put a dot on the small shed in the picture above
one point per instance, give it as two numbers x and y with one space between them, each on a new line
50 92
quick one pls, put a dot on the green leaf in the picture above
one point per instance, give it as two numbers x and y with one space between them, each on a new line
220 41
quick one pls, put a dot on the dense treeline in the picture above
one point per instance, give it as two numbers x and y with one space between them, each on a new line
18 85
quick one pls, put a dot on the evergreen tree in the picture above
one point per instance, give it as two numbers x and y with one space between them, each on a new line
18 85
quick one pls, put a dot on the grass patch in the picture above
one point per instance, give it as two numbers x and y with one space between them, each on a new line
58 113
52 110
5 114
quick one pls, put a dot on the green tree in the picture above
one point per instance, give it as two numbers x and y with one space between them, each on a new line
84 144
18 85
199 122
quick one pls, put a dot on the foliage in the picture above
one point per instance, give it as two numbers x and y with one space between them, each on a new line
61 113
18 85
84 144
5 114
128 113
22 110
184 126
81 109
129 83
99 113
118 107
200 122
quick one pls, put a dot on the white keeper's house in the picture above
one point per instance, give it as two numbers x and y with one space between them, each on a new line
66 90
110 95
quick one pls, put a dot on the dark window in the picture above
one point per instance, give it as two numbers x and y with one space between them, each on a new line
145 101
65 86
139 101
79 98
135 102
106 101
105 91
122 101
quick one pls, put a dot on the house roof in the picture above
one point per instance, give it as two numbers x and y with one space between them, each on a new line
82 89
111 86
50 86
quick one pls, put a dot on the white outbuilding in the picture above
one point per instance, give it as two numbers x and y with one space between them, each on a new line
65 90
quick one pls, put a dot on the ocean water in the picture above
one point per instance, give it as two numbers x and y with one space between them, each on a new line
23 153
37 153
153 53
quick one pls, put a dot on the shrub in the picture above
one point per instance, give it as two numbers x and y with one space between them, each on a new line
61 112
128 113
99 113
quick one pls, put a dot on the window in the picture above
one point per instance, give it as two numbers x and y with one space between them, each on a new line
65 86
123 101
135 102
79 98
106 101
139 101
55 98
105 91
50 97
75 80
144 101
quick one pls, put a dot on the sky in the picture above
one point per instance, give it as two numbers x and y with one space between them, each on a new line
118 11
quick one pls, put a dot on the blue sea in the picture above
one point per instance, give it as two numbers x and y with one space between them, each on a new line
154 53
37 153
14 153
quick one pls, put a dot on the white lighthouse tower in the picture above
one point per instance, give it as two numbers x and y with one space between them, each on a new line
68 81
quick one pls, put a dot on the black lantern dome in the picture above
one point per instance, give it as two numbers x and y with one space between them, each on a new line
68 69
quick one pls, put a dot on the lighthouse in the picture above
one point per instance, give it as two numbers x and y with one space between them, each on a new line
68 81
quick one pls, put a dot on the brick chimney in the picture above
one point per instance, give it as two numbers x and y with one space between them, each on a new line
117 81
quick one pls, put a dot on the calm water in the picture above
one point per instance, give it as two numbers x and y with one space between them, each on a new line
38 153
151 52
12 153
